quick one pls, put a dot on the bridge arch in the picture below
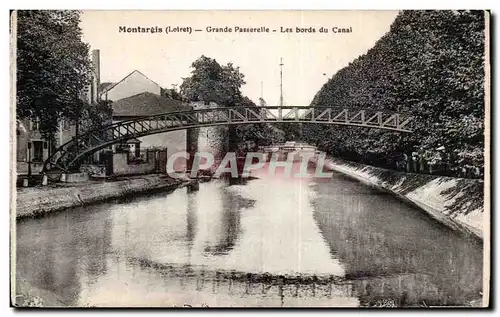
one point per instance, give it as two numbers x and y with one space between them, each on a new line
68 155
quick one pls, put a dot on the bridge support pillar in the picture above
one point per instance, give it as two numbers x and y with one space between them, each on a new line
64 177
191 147
193 187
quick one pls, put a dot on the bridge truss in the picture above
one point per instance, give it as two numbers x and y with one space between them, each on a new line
69 155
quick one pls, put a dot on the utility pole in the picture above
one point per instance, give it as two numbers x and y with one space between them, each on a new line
262 90
281 82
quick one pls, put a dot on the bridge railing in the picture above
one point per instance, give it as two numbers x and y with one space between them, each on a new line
69 154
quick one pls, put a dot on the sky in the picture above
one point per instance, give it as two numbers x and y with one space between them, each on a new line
309 59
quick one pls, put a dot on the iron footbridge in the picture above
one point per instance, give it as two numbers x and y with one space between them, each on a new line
69 156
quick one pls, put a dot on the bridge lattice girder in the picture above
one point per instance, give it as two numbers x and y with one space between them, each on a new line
67 156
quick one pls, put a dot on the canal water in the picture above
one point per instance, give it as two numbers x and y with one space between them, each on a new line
269 241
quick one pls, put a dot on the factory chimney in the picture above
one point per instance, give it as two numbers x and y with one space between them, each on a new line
96 76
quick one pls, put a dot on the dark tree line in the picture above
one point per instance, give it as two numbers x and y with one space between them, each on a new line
431 64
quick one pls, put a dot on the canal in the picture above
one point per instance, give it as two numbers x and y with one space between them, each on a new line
269 241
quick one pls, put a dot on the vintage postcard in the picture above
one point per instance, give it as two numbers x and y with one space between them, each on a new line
250 158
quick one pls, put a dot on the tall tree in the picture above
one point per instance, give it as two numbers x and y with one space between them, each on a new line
53 67
431 64
211 82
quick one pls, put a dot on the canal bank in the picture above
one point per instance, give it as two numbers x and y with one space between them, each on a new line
455 202
272 241
35 201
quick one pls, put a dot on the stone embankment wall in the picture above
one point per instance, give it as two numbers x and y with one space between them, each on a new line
456 202
40 200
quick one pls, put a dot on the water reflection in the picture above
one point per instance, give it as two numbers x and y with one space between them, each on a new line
63 254
393 250
279 233
271 241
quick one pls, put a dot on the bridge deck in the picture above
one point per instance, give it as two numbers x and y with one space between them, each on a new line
68 155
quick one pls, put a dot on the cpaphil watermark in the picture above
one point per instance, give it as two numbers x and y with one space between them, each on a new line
242 166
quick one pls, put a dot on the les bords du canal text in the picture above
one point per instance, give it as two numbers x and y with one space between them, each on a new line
235 29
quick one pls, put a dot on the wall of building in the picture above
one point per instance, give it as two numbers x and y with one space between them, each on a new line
22 139
28 133
90 94
174 141
121 166
132 85
66 132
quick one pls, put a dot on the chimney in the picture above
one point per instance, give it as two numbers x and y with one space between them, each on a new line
96 78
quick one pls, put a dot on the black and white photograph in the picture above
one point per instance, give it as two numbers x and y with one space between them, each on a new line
211 158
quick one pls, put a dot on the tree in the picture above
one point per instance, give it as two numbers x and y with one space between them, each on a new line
259 133
95 116
53 67
171 93
431 64
211 82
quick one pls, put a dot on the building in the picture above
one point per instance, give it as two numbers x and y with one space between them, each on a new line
31 149
134 96
132 84
148 104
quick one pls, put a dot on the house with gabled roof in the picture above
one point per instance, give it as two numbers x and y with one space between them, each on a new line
145 104
132 84
136 95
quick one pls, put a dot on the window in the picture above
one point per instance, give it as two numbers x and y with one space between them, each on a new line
37 151
65 124
122 148
35 124
138 158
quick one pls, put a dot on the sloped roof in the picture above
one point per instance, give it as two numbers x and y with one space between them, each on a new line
104 86
132 141
112 85
146 104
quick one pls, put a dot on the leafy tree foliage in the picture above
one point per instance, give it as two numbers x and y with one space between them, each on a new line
211 82
95 116
431 64
53 67
257 133
171 93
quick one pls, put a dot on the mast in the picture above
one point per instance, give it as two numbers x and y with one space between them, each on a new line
281 82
